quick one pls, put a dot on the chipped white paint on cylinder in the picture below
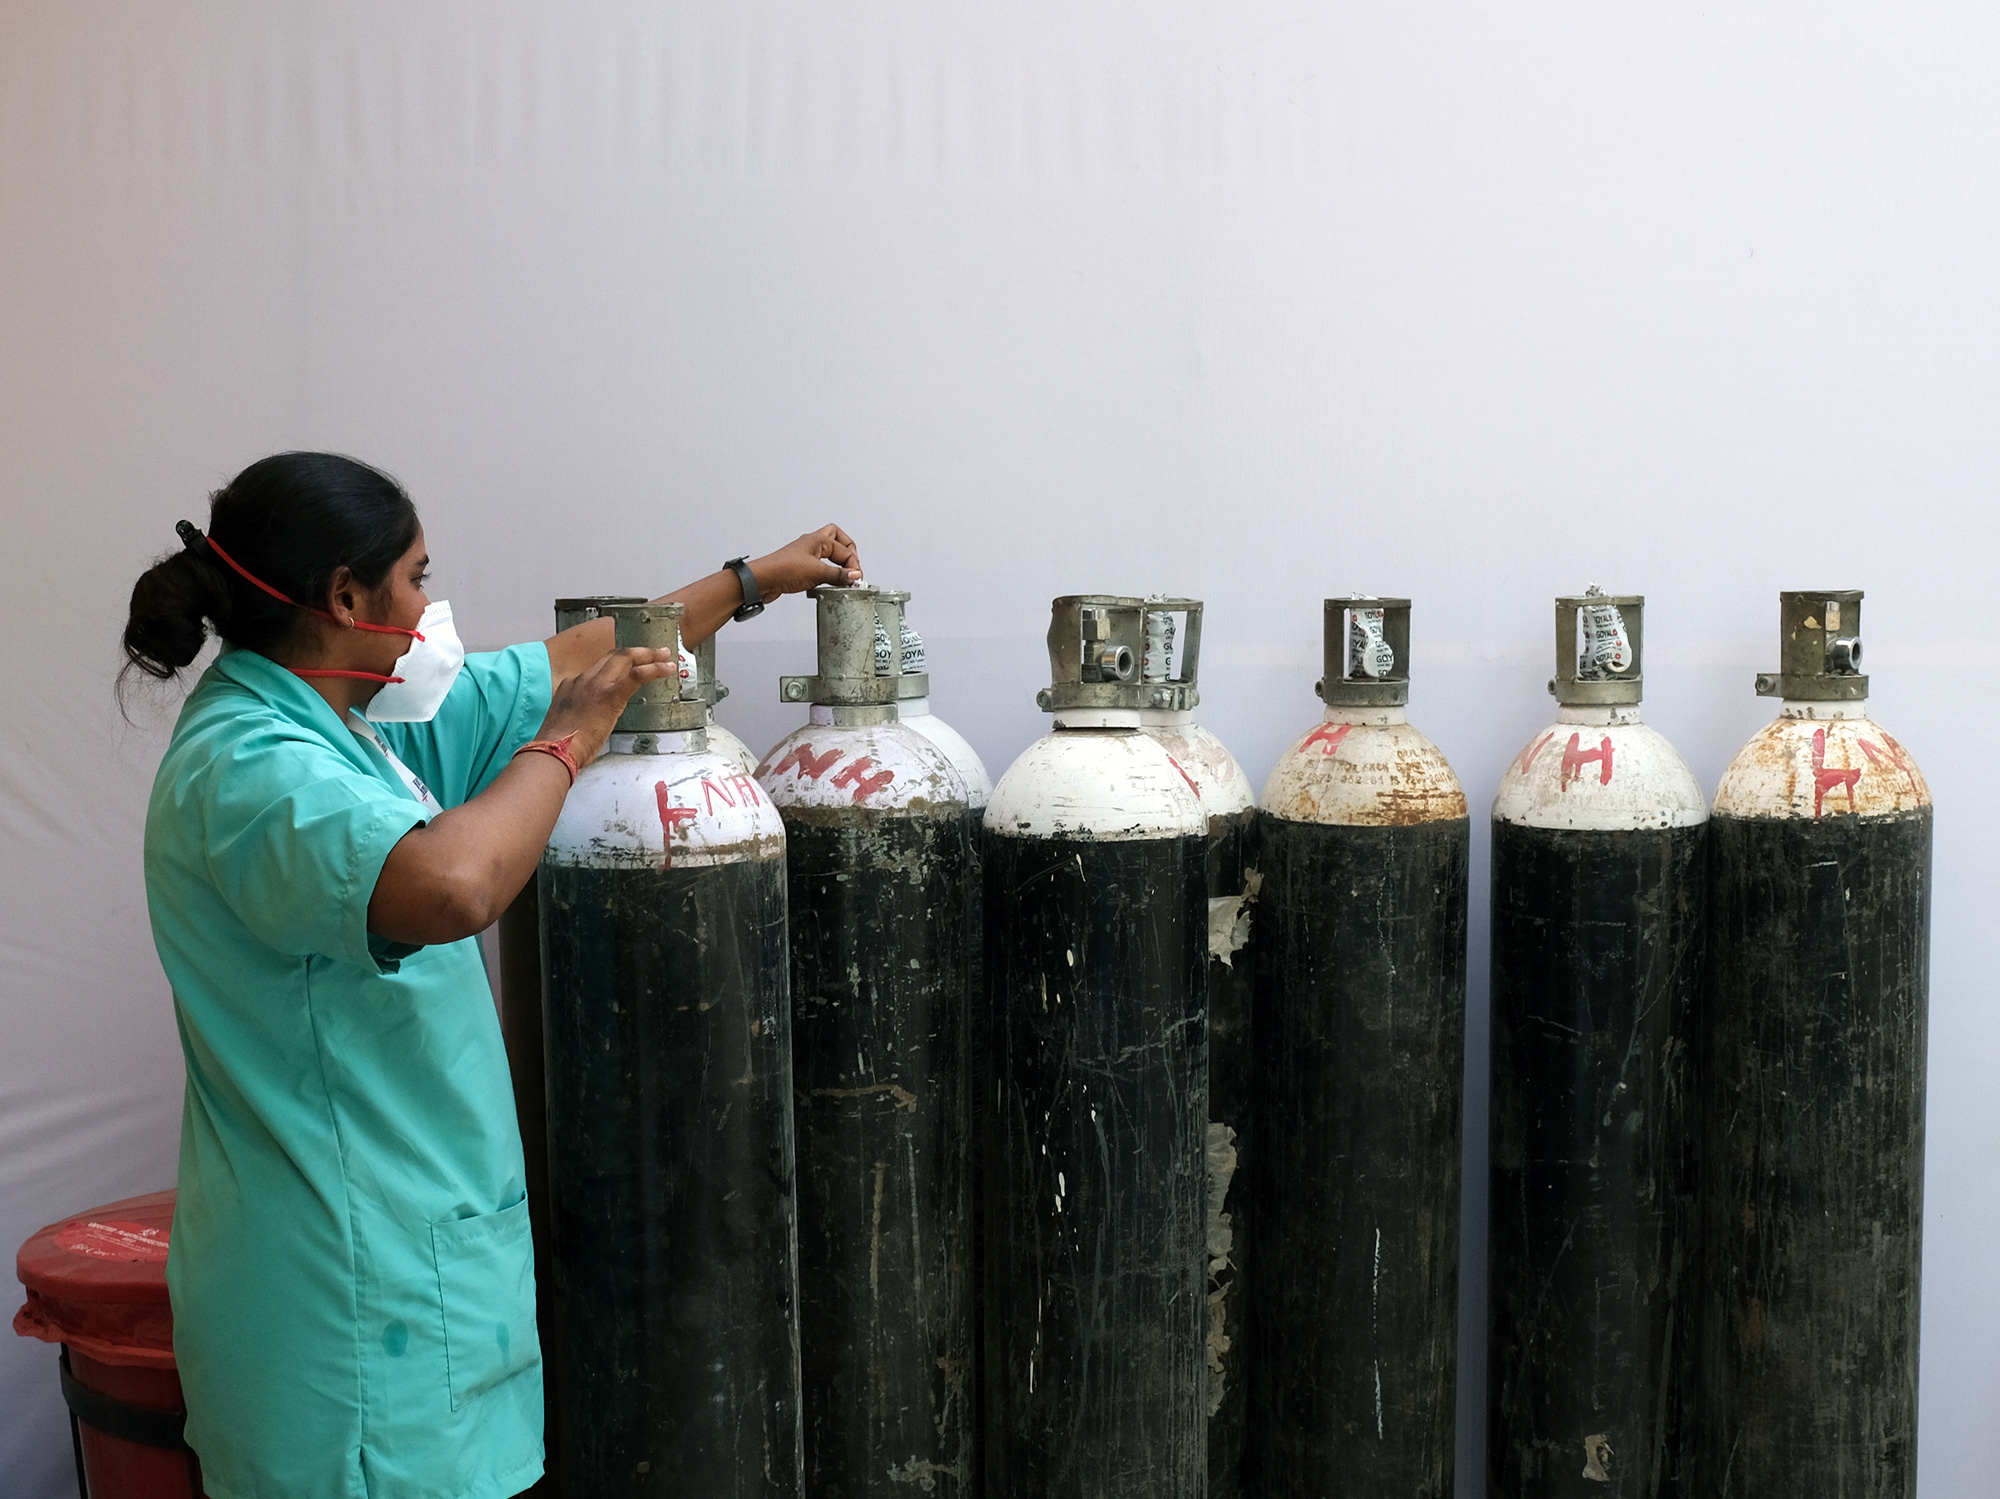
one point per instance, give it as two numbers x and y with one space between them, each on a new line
1223 787
658 801
1603 770
879 767
1096 783
916 714
726 744
1819 760
1364 767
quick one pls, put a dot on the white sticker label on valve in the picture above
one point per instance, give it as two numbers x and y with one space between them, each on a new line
1159 646
1372 654
1606 647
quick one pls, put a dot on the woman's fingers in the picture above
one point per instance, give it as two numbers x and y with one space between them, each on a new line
827 555
587 705
837 547
623 672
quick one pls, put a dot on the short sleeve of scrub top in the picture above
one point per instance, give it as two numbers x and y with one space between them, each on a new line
494 708
351 1271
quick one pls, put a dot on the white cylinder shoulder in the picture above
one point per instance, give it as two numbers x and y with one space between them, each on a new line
727 745
1600 770
1220 781
1813 765
665 811
883 767
1107 785
916 713
1364 774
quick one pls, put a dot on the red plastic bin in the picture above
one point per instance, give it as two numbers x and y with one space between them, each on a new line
97 1285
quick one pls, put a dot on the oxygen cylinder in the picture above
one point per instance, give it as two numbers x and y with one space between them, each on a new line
879 856
520 954
1170 667
1364 843
698 679
1598 836
1097 958
1814 1027
913 708
667 1030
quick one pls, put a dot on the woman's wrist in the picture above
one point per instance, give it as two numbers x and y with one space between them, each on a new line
562 751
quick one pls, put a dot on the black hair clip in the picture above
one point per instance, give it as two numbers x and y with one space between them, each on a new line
191 536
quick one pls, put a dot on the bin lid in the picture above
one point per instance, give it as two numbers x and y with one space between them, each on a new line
98 1281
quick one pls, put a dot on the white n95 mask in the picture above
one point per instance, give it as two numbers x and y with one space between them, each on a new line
424 673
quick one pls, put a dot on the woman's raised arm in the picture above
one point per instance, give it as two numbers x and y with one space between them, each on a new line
452 877
827 555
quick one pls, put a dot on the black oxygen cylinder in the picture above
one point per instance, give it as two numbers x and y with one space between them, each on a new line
667 1037
1814 1050
1360 1056
1598 843
520 971
1097 922
1172 663
879 860
1229 1141
913 711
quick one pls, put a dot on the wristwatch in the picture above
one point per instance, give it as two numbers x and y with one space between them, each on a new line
753 600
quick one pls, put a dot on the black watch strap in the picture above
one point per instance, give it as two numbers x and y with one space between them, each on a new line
753 599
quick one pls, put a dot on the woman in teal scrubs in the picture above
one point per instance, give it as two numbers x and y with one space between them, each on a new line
346 801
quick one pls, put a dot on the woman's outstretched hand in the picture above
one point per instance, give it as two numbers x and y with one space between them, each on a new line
823 556
588 704
827 555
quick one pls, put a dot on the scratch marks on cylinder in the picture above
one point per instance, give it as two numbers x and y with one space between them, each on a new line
1375 1316
875 1239
904 1098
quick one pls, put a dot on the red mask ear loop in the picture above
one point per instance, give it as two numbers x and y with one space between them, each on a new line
252 578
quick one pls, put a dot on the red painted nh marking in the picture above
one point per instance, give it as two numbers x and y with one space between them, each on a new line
856 776
670 817
810 766
1185 777
1825 780
1893 752
1327 736
738 790
1574 760
1525 761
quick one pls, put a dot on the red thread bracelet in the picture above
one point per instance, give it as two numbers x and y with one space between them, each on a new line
558 748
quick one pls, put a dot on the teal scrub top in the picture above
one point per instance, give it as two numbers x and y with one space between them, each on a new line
351 1271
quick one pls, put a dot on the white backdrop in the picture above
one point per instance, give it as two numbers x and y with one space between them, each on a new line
1257 302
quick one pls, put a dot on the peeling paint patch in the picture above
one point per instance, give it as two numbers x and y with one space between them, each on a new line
921 1473
1229 920
1597 1457
1221 1159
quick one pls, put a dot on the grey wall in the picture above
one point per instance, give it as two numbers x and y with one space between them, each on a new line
1258 302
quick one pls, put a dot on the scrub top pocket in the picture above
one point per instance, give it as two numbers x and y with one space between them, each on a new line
486 1287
